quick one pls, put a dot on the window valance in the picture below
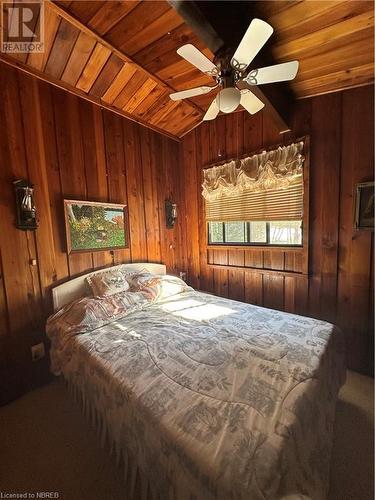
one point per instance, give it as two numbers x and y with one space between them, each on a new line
265 186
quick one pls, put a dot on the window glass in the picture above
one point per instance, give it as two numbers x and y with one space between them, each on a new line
235 232
216 232
285 233
258 232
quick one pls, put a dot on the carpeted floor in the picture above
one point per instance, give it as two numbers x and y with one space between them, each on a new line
46 445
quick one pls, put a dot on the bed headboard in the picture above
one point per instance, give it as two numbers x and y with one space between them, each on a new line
76 287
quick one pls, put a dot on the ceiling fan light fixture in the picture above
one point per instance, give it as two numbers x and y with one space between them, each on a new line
228 99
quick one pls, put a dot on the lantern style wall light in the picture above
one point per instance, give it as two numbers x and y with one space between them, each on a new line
170 213
26 212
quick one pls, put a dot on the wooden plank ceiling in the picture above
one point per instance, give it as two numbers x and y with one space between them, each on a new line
122 54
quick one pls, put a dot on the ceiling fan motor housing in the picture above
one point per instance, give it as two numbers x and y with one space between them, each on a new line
227 76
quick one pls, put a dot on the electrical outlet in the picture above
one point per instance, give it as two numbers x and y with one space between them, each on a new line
183 275
38 351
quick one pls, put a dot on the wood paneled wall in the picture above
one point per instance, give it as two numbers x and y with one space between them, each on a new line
339 285
69 148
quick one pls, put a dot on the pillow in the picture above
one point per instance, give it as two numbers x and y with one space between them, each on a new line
108 282
89 313
137 278
111 281
157 286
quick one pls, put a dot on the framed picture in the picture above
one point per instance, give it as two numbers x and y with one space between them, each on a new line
364 206
94 226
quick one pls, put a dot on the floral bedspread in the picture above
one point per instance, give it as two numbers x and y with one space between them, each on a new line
212 398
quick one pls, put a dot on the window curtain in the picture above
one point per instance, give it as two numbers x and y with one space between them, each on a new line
266 186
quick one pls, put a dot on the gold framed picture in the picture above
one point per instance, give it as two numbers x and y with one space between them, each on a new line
95 226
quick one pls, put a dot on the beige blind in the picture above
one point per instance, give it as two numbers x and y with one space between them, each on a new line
267 186
267 205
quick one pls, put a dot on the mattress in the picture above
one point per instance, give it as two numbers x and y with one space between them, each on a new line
212 398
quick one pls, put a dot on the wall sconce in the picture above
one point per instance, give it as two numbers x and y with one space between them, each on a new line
170 213
26 212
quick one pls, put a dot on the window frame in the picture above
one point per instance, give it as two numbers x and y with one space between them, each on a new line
249 243
305 216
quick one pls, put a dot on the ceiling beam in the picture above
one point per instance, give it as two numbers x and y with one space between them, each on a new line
198 23
65 14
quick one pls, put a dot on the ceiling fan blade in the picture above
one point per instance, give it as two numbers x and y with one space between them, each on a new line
185 94
197 59
212 111
250 102
253 40
277 73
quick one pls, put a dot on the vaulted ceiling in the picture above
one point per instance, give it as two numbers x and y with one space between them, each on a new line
122 54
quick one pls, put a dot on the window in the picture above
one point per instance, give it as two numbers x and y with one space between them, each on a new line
258 199
285 233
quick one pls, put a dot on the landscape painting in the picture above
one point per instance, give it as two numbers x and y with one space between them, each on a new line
93 226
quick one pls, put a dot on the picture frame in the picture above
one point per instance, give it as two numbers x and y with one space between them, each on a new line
93 226
364 206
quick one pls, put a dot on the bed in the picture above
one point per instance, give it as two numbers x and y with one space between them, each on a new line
205 397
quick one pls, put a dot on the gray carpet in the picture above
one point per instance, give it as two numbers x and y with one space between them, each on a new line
46 445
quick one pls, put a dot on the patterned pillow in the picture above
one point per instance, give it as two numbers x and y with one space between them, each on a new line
137 278
108 282
88 313
158 286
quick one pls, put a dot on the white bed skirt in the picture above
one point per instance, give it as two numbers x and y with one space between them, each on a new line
131 472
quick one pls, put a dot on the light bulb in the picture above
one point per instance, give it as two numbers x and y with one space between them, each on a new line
228 99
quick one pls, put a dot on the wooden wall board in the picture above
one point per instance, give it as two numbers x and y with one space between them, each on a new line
82 9
52 166
136 22
93 68
21 281
324 213
162 52
189 182
109 72
119 83
149 189
355 265
168 21
110 14
78 58
116 171
38 60
36 161
135 192
307 17
63 44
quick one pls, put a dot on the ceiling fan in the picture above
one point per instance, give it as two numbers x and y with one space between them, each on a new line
233 75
